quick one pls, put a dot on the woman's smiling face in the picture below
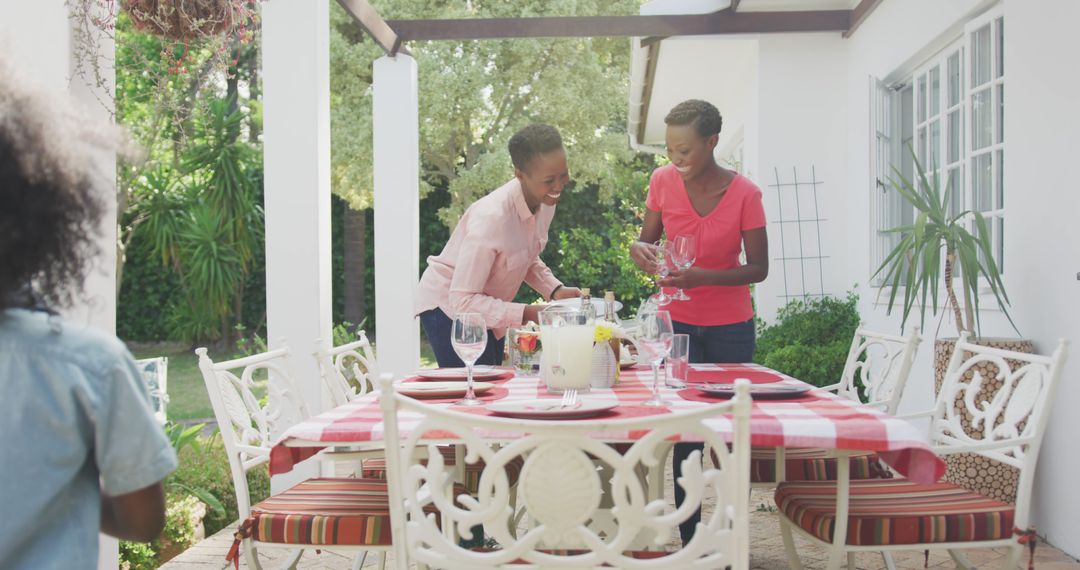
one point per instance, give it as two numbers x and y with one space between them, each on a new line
688 151
544 178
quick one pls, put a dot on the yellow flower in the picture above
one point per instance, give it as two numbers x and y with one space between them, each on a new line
603 333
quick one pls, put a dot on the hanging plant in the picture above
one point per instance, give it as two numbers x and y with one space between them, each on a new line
183 20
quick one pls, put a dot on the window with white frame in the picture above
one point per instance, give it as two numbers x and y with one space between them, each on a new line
948 111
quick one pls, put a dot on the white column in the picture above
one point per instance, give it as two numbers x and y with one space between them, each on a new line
397 212
296 157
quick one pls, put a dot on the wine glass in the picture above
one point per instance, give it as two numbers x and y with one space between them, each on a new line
662 271
683 252
469 341
655 335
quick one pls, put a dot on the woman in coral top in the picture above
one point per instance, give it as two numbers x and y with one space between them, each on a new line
722 208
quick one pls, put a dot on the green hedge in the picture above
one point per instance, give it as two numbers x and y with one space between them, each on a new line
810 338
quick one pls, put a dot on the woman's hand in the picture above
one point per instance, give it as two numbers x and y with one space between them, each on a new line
644 256
686 279
566 293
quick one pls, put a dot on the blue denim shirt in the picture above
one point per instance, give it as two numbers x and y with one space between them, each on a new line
75 420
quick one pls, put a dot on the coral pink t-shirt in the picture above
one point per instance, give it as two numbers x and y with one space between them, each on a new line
719 243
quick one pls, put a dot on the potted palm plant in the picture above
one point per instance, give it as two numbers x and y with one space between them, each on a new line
925 260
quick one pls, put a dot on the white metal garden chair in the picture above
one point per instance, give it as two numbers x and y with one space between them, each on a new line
879 364
347 371
339 514
155 373
896 514
560 490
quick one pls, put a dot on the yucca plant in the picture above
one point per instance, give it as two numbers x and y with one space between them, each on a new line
915 266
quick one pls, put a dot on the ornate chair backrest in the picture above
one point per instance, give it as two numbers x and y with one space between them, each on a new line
348 371
248 423
560 490
155 372
881 364
1009 425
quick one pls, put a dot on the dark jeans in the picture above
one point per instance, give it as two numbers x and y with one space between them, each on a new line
721 343
439 329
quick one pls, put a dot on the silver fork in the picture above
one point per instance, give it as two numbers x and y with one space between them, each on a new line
569 398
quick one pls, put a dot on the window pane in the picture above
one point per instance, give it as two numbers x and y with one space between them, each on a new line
935 146
921 102
953 135
1000 46
980 56
920 150
907 128
954 79
981 127
956 190
1000 179
1000 113
981 183
999 251
935 91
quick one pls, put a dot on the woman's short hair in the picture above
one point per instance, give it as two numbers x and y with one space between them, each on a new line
50 211
532 140
703 115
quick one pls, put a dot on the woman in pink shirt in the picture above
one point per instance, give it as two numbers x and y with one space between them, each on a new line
495 248
722 209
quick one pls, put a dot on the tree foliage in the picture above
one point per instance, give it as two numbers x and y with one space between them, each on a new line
475 94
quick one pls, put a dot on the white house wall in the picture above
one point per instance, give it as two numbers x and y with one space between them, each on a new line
1042 238
801 121
1042 243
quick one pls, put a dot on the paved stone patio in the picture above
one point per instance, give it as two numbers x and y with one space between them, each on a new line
767 550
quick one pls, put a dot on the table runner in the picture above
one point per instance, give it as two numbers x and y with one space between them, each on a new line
825 420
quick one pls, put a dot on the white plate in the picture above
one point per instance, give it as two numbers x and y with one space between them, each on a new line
757 391
550 408
597 302
479 372
440 389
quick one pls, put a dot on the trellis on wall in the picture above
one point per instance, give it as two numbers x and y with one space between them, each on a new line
801 252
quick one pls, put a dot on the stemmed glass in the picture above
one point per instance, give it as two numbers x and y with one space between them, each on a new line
469 341
683 252
662 271
655 335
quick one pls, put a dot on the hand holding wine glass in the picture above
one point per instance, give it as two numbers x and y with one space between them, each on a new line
655 335
683 253
469 341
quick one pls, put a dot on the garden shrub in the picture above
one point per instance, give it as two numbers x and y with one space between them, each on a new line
182 513
810 339
207 467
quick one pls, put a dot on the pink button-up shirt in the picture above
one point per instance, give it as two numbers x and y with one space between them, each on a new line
494 248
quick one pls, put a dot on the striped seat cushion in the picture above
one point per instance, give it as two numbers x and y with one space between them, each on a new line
327 511
897 511
811 464
376 469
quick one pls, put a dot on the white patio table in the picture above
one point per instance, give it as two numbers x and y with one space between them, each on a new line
817 419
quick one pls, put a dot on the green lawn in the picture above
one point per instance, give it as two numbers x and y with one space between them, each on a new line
187 393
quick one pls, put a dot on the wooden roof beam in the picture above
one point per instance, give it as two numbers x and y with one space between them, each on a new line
859 15
722 22
374 25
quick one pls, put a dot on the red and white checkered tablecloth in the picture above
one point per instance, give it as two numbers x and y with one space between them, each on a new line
819 419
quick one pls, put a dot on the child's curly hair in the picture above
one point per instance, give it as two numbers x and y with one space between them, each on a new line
49 187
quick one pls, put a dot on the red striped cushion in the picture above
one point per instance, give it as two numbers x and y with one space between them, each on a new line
325 511
811 464
376 469
897 511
